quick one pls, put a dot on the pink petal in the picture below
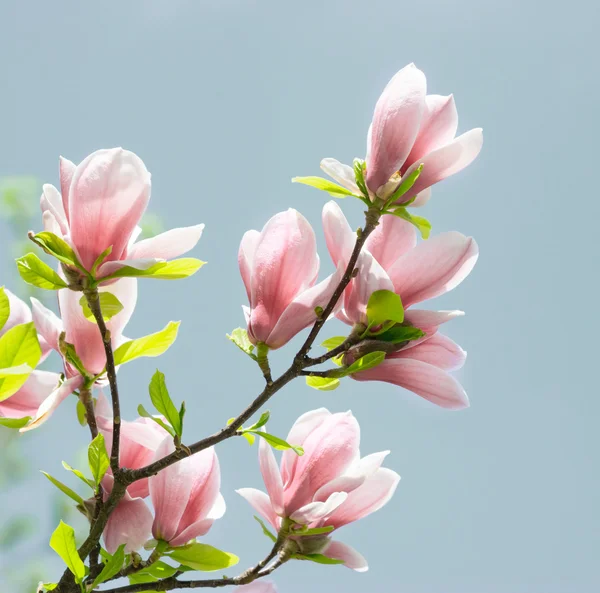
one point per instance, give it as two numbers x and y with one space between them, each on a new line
447 160
372 495
395 125
352 559
48 325
256 587
428 381
168 245
438 127
19 312
261 503
343 174
300 313
340 238
29 398
315 511
52 402
51 201
67 170
285 264
368 465
391 239
439 350
434 267
429 321
108 195
246 258
196 529
345 483
271 475
130 524
110 267
422 198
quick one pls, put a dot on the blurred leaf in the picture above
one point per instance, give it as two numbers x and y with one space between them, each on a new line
15 530
4 308
152 225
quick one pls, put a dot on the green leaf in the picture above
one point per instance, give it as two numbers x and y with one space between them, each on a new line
276 442
318 558
159 570
265 529
333 189
4 308
145 414
80 475
400 333
170 270
98 458
368 361
405 185
384 305
422 224
35 272
203 557
57 247
81 415
63 543
359 174
49 586
315 531
109 305
159 394
18 346
264 418
334 342
15 422
239 337
68 351
152 345
65 489
323 383
100 260
112 567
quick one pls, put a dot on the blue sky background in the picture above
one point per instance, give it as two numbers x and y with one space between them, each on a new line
225 102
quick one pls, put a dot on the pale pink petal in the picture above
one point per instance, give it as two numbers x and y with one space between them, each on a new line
256 587
30 396
391 239
139 264
271 475
439 351
429 321
261 503
368 465
352 559
246 258
19 312
51 201
315 511
130 524
372 495
52 402
50 224
340 238
434 267
447 160
47 323
300 313
438 127
343 174
66 170
395 125
422 198
196 529
345 483
426 380
168 245
108 195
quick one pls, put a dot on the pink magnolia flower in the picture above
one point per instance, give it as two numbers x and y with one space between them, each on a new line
83 334
410 128
392 260
186 496
40 384
100 204
279 267
257 587
330 485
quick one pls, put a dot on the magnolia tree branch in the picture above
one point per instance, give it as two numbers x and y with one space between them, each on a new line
85 397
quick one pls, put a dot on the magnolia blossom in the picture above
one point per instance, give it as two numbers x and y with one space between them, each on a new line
410 128
257 587
392 260
279 267
100 204
186 496
83 334
330 485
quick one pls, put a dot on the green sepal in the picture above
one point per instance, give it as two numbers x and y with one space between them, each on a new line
318 558
315 531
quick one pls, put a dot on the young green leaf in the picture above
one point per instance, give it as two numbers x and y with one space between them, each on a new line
80 475
63 543
15 422
145 414
203 557
422 224
159 394
35 272
359 167
170 270
264 418
368 361
334 342
276 442
265 529
49 586
384 305
4 308
65 489
109 305
159 570
98 458
57 247
111 567
405 185
315 531
323 383
152 345
81 414
100 260
318 558
239 337
333 189
70 355
400 333
18 346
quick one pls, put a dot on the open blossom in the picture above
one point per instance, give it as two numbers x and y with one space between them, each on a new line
392 260
83 334
186 496
410 128
100 204
330 485
279 267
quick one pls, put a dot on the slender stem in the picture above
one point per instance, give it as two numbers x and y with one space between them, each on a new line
85 396
93 299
